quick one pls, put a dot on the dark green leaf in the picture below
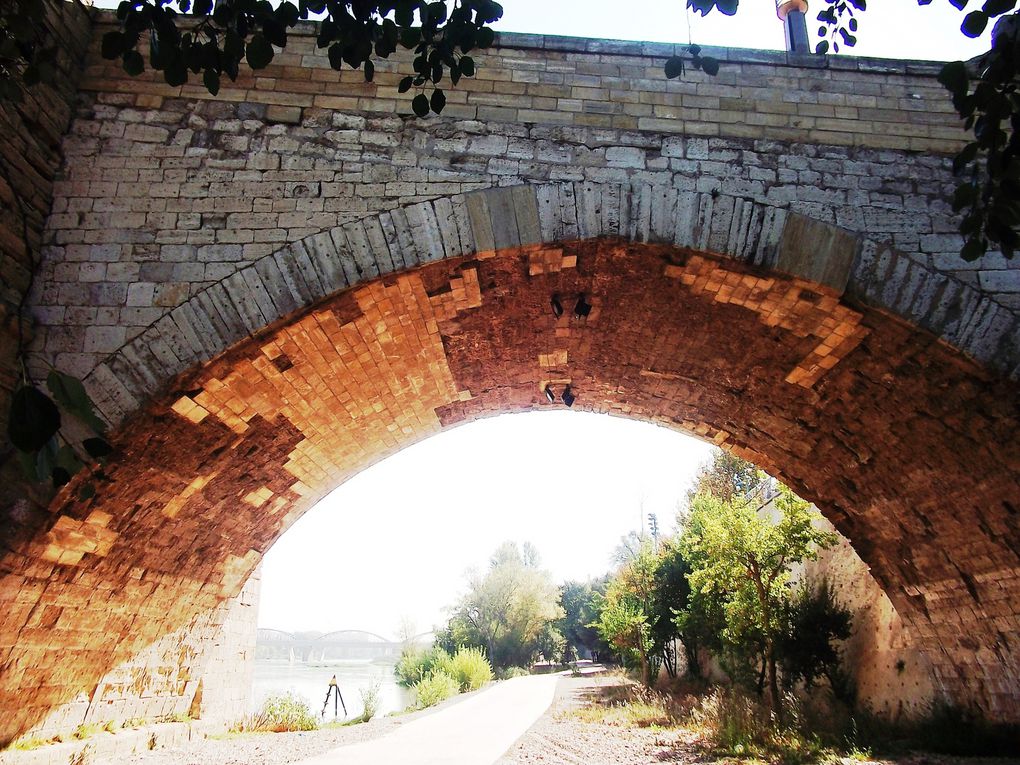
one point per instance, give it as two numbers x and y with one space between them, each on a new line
336 56
70 394
822 47
405 84
973 249
67 464
467 66
954 77
974 23
964 196
87 492
438 101
176 73
46 460
709 66
965 157
998 7
674 66
485 37
259 52
113 46
212 81
134 64
420 105
369 71
60 476
33 420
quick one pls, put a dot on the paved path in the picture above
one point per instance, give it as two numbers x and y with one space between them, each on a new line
475 731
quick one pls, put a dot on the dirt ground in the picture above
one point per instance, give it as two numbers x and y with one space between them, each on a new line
562 736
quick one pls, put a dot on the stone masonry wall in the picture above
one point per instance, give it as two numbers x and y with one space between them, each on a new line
201 670
30 157
892 676
165 191
184 227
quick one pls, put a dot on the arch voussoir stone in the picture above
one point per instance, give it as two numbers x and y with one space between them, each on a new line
500 218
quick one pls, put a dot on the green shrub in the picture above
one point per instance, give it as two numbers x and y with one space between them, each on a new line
509 673
370 701
279 713
433 688
470 669
415 663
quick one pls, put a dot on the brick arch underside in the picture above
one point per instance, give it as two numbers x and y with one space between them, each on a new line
908 447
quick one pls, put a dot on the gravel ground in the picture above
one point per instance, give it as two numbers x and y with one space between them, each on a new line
276 748
561 739
558 738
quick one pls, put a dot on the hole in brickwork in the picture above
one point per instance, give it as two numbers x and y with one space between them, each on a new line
283 362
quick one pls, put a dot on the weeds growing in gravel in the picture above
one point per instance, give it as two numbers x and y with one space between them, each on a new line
279 713
630 705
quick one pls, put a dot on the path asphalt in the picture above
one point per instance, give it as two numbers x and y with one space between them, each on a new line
474 731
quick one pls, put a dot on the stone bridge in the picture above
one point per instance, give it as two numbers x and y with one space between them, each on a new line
270 291
339 644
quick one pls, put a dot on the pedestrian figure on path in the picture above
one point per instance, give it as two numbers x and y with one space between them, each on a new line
334 691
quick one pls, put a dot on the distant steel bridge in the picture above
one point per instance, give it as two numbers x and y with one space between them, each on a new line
347 644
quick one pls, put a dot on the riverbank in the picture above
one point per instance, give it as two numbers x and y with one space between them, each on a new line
282 748
584 725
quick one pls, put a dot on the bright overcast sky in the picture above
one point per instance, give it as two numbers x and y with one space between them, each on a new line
889 28
395 541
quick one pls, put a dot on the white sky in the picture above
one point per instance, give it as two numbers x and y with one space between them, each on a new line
889 28
395 541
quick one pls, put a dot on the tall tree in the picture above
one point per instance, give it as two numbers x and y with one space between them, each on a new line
580 610
627 612
726 476
671 594
746 557
507 607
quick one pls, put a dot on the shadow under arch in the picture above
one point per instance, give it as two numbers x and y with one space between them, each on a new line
740 324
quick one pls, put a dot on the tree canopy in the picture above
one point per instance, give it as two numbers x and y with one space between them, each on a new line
508 608
745 557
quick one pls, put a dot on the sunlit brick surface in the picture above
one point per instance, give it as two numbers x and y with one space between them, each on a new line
905 445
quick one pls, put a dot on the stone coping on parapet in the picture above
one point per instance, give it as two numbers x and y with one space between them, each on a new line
610 47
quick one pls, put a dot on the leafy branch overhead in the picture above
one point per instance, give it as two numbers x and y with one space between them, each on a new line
36 429
214 40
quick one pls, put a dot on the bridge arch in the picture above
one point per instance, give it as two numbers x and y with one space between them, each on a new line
880 390
748 231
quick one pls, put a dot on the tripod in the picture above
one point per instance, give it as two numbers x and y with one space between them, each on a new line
334 691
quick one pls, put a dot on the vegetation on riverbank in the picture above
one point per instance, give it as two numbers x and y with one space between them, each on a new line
435 675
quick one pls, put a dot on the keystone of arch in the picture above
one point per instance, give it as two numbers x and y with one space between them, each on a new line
479 223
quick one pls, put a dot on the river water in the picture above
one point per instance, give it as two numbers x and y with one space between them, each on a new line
311 681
